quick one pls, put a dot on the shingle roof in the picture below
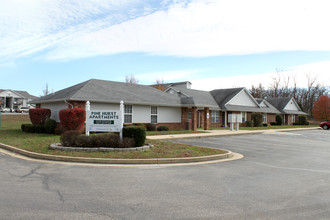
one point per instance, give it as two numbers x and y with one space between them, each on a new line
112 92
222 96
280 104
198 98
26 94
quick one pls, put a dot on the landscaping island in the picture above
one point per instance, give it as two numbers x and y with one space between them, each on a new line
11 134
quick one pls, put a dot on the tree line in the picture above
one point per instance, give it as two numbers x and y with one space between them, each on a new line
286 86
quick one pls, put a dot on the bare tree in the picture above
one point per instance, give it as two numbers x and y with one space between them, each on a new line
131 79
46 91
258 92
160 84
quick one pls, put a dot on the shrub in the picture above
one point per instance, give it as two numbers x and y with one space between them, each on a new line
27 128
279 120
162 128
74 139
50 126
151 127
257 119
38 116
138 133
248 124
302 120
68 138
83 141
264 124
273 123
72 119
126 143
31 128
39 129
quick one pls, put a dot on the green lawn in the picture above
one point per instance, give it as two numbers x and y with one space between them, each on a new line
268 128
11 134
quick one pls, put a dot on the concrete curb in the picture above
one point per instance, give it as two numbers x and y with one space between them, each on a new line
227 155
223 133
58 146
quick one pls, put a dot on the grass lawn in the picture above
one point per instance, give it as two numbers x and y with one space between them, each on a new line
268 128
11 134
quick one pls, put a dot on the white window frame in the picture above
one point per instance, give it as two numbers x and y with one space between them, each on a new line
264 118
244 116
293 118
153 114
128 111
215 116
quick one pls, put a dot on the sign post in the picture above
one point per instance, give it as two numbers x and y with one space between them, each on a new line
121 125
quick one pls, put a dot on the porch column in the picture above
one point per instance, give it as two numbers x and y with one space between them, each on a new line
194 120
206 119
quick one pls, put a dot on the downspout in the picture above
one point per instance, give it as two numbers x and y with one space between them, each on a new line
68 103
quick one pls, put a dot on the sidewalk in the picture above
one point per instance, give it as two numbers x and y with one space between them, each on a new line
211 133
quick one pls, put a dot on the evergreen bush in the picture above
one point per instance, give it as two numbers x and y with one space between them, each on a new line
138 133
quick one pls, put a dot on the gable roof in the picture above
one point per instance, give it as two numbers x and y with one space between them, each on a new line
26 95
223 96
112 92
269 109
23 94
197 98
281 102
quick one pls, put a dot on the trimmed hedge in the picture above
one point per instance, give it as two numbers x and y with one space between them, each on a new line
257 119
31 128
74 139
50 126
162 128
151 127
248 124
138 133
72 119
302 120
279 120
38 116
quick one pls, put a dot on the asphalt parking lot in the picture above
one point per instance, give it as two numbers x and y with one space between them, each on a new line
282 176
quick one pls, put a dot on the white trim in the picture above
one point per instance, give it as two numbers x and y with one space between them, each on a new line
131 114
153 114
245 89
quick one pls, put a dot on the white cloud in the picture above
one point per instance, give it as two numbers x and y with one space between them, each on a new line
210 28
196 28
318 71
168 76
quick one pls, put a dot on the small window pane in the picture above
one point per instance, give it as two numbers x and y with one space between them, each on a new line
153 110
128 109
128 119
154 119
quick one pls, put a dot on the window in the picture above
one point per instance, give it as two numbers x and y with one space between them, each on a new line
154 115
215 116
243 116
128 112
189 115
264 117
293 119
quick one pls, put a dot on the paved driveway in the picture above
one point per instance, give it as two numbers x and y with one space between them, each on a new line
282 176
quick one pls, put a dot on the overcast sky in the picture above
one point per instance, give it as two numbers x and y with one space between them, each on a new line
212 43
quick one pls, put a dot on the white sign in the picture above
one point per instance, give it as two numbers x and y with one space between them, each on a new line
235 118
103 120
